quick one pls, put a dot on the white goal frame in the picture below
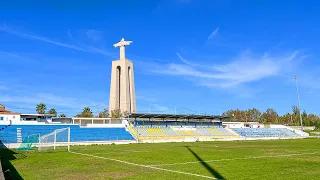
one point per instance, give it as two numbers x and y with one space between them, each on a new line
43 144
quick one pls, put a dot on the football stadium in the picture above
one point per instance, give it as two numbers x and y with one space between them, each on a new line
151 146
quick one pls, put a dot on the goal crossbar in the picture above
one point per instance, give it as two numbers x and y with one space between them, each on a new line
59 137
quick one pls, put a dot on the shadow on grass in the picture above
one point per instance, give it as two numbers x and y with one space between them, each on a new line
205 165
7 155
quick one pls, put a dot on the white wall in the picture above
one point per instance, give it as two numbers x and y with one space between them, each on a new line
12 117
105 125
258 125
241 125
234 125
310 128
277 126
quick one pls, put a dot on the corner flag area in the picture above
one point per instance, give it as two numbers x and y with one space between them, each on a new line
273 159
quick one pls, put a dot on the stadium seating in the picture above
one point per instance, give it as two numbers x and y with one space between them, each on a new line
160 131
174 132
9 135
264 132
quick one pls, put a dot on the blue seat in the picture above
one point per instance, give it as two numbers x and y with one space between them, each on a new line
77 134
264 132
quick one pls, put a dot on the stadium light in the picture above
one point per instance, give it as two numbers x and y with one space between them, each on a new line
296 79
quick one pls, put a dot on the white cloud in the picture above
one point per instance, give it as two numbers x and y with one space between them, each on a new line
159 108
94 35
309 80
186 62
82 47
146 98
213 34
2 53
39 38
2 87
47 98
242 69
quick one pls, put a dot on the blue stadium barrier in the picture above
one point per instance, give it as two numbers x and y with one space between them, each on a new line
78 134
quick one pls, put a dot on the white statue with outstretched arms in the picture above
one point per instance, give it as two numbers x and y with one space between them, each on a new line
122 45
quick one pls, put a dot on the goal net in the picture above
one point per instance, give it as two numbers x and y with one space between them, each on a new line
29 142
57 140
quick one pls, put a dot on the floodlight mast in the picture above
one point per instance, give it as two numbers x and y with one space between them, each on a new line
296 79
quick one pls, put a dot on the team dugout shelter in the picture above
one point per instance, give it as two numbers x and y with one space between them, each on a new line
141 119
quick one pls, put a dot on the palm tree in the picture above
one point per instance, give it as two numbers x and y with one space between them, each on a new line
103 114
62 115
86 112
115 113
52 111
41 108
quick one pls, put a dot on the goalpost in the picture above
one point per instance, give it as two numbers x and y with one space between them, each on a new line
52 141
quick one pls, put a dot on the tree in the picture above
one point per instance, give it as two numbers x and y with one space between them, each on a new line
304 117
270 116
62 115
313 119
285 119
52 111
253 114
124 114
115 113
295 110
41 108
235 115
295 115
86 112
103 114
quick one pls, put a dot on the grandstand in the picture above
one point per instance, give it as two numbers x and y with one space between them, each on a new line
146 128
15 134
168 127
265 132
142 128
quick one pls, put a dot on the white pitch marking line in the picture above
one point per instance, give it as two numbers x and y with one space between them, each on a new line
116 150
217 160
146 166
122 152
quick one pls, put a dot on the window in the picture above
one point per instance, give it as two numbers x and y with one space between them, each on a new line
1 118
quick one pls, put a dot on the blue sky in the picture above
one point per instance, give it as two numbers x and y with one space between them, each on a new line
189 55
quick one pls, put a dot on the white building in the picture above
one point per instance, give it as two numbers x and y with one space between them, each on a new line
45 118
242 124
7 116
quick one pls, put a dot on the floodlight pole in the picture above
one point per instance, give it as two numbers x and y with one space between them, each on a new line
54 140
296 79
69 134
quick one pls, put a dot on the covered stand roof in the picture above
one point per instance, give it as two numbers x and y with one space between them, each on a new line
175 116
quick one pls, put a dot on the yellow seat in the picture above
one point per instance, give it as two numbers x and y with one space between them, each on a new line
187 132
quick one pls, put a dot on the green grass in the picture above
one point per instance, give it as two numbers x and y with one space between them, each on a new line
231 161
315 132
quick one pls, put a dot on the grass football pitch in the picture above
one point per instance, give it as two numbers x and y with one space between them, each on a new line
268 159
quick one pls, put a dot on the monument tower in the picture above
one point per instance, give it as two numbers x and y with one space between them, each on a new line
122 91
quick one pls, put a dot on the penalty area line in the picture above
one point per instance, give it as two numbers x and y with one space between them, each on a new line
146 166
232 159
